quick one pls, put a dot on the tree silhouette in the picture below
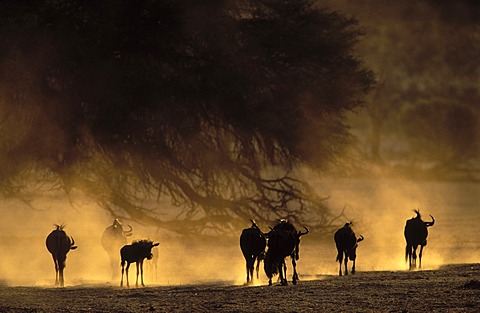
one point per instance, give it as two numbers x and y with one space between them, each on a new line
213 104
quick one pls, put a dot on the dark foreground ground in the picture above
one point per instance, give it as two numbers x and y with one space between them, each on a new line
452 288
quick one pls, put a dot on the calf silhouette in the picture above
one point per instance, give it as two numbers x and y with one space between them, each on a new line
58 244
137 252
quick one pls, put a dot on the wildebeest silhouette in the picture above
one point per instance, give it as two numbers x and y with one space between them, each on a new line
416 233
347 243
113 239
252 244
283 241
58 244
137 252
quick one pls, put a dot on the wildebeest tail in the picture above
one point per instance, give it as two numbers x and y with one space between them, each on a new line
408 252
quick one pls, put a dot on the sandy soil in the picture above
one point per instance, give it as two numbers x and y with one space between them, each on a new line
451 288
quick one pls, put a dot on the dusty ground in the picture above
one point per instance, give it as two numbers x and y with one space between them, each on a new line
452 288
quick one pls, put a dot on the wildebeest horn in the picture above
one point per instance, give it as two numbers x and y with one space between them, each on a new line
72 245
430 223
128 233
301 234
360 238
254 224
267 235
59 227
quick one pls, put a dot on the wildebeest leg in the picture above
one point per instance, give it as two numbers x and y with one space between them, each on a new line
155 268
114 266
254 259
346 261
141 272
414 257
258 266
408 255
56 270
353 267
251 266
137 267
340 260
280 272
121 279
295 275
61 267
60 274
124 270
420 257
269 267
279 266
126 274
250 261
282 268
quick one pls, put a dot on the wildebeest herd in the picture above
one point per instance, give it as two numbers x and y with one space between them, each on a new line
273 247
283 240
114 241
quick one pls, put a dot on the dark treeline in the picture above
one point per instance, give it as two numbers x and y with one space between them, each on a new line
423 116
212 105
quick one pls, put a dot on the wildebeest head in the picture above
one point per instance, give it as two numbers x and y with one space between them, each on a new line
118 227
147 247
352 254
416 231
287 226
297 241
59 242
143 249
419 217
114 237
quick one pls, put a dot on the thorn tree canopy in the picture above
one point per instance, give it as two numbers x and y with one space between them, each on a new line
210 104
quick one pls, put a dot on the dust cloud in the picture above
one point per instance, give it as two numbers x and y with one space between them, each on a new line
27 262
377 207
